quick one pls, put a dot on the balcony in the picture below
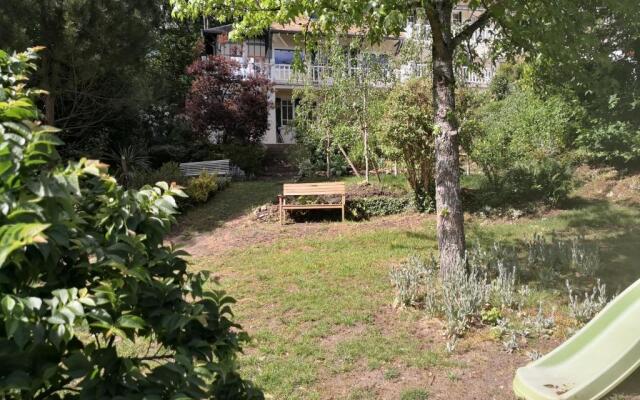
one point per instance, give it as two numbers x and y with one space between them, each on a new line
285 74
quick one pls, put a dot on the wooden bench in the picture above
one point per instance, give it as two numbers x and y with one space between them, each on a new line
311 189
217 167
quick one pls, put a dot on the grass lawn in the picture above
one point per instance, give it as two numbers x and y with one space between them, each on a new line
318 306
234 201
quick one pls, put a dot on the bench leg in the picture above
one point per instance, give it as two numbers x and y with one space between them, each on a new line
280 209
343 202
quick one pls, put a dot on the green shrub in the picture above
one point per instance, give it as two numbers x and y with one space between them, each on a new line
521 145
168 172
201 187
93 303
248 158
373 206
408 132
615 144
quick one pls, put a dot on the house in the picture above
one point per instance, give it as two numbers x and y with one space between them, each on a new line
273 53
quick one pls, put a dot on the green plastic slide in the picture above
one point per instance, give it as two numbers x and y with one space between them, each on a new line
592 362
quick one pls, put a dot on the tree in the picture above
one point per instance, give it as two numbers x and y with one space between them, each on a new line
225 103
94 55
93 302
105 63
339 114
520 22
376 21
521 143
408 130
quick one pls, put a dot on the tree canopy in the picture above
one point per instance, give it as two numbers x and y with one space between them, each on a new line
93 302
561 30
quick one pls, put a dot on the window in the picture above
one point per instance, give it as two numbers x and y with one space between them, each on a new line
230 49
457 17
287 112
283 56
256 48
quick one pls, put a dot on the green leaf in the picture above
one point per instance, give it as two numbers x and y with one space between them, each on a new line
33 303
130 321
7 304
76 308
17 236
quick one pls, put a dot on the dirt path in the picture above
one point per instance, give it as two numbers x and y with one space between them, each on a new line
245 231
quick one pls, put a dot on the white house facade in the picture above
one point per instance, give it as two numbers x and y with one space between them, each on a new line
272 55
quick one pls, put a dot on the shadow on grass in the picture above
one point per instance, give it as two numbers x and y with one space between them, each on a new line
629 389
613 230
236 200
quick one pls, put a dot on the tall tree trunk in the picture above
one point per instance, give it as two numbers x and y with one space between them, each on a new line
49 107
450 219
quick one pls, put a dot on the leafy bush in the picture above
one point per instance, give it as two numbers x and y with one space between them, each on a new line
408 131
93 303
459 296
521 145
615 144
233 107
374 206
201 187
409 281
487 288
127 162
168 172
248 158
592 303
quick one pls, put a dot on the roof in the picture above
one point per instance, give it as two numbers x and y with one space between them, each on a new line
296 26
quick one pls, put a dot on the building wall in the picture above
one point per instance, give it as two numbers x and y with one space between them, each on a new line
264 60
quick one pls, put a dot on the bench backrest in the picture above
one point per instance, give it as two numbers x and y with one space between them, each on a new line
217 167
310 189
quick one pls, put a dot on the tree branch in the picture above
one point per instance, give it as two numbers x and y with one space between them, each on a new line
469 30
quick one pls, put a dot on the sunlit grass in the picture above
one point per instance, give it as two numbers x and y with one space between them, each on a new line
314 306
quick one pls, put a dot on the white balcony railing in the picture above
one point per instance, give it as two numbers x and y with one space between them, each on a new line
285 74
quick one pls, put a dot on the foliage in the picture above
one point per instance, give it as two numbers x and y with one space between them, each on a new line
584 310
414 394
487 288
549 260
201 187
407 279
600 55
104 63
506 80
248 157
616 144
340 116
521 143
175 45
373 206
491 316
168 172
408 130
86 273
126 163
225 105
168 136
